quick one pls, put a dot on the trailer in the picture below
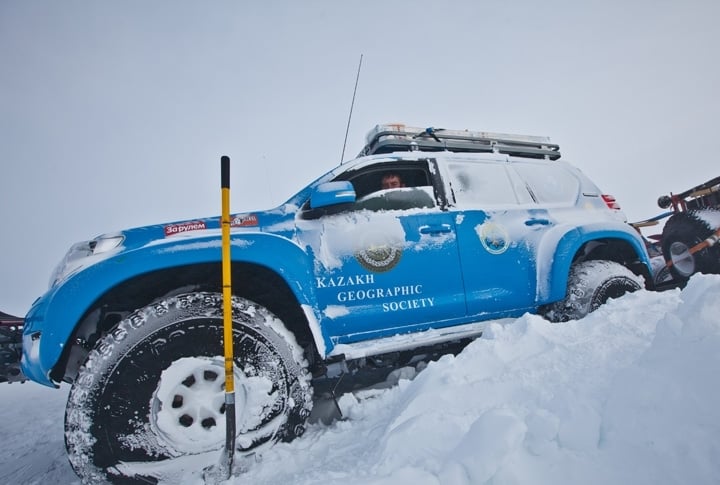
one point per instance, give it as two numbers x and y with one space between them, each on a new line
688 241
11 328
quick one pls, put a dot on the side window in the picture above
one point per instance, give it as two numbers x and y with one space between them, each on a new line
483 184
385 187
397 199
550 183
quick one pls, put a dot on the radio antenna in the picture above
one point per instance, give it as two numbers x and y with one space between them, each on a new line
347 130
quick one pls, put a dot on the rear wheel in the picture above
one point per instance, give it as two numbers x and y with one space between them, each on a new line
591 284
152 390
681 232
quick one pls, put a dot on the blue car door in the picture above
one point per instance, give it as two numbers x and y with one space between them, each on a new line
387 265
499 230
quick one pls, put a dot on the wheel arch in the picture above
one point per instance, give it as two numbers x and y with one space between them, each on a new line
273 272
621 245
253 281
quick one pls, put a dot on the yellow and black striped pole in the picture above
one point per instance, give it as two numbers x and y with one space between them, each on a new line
227 317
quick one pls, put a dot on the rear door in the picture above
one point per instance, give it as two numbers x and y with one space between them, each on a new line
499 229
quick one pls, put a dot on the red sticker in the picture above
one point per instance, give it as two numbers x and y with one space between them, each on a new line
174 229
244 220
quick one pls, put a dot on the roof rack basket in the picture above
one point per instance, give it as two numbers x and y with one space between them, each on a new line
401 138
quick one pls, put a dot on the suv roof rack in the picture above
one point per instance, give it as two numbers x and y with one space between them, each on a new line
398 137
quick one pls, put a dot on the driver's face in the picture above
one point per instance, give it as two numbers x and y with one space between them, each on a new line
391 182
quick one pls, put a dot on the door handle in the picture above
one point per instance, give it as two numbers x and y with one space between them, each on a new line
537 222
436 229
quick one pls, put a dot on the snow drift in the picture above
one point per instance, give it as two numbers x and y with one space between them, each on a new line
628 395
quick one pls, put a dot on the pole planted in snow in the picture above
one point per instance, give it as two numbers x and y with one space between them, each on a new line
227 317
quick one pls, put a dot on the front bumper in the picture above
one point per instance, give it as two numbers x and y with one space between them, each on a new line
35 365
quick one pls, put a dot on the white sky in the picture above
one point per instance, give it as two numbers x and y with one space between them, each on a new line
115 114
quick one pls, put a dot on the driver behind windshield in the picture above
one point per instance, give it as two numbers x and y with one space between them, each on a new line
392 180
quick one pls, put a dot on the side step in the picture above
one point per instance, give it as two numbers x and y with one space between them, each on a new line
409 341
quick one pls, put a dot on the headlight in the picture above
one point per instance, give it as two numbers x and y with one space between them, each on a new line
84 254
105 243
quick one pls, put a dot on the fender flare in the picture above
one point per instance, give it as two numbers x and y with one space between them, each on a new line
56 315
553 269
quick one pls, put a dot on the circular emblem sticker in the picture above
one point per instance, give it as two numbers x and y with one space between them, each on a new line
379 258
494 237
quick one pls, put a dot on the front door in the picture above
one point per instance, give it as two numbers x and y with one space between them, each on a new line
388 265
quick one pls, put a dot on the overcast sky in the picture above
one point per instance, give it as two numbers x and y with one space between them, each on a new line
115 114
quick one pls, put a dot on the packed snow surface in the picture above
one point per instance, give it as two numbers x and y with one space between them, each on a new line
627 395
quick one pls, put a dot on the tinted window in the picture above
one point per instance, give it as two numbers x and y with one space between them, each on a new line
416 190
481 184
370 179
551 183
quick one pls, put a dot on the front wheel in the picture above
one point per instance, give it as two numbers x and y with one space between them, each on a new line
152 390
591 284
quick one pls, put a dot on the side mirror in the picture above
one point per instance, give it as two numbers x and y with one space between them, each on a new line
332 193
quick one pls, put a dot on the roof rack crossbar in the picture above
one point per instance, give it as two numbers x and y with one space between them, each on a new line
388 138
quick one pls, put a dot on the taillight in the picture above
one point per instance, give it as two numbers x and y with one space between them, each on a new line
611 202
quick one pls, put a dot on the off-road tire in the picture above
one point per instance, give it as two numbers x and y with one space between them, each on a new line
681 232
128 402
591 284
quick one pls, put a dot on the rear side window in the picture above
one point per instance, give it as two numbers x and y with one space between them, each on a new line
483 184
550 183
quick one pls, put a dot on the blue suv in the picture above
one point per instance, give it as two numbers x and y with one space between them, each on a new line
402 253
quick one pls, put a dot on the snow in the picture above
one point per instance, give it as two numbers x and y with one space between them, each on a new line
335 311
213 242
627 395
402 342
203 399
346 234
710 217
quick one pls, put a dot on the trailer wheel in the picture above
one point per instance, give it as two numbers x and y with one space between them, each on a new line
681 232
591 284
152 390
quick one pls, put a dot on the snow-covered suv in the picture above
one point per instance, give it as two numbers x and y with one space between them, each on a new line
346 274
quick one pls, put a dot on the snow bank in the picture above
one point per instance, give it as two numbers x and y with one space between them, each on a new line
667 405
627 395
